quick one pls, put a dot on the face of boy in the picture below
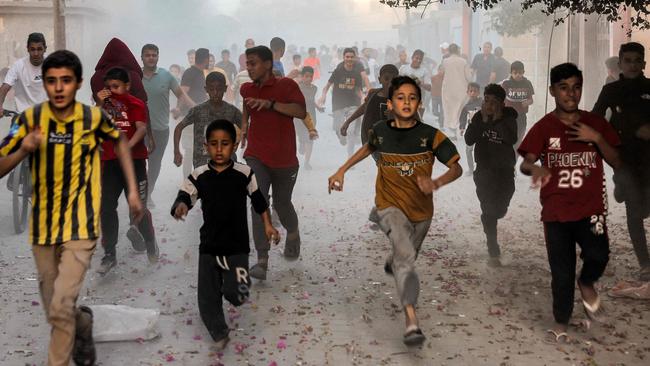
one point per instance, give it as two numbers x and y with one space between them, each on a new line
386 78
61 86
491 105
517 74
405 102
220 147
631 64
256 67
307 78
416 61
117 86
472 92
215 90
36 51
349 58
567 94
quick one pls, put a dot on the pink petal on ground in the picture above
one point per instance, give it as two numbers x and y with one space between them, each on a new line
170 358
197 338
282 345
35 303
273 363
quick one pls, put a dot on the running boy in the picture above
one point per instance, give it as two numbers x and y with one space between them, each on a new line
493 130
61 137
571 145
306 136
628 99
473 105
519 95
223 187
407 149
200 117
129 115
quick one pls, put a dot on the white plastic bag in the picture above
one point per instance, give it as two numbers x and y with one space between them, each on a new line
124 323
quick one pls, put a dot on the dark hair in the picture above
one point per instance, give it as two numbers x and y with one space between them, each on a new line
263 52
149 47
454 49
565 71
311 49
296 56
398 81
63 58
225 52
498 52
117 73
418 52
201 55
389 68
495 90
349 49
36 38
223 125
473 85
631 47
306 69
277 44
612 63
517 66
191 51
215 76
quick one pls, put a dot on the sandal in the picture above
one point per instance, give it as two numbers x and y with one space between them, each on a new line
594 312
557 337
414 337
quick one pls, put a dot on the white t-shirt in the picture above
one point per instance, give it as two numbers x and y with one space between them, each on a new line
27 81
420 74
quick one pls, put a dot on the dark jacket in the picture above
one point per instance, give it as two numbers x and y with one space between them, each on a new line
494 141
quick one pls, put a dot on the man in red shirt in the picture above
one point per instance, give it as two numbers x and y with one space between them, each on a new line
571 145
129 114
270 142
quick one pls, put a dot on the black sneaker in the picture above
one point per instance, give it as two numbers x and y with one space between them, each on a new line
388 268
153 253
84 353
136 238
292 246
108 262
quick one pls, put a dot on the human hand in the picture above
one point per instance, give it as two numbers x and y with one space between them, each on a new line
181 211
540 177
32 141
151 144
178 158
313 135
135 207
176 113
344 129
257 104
643 132
335 182
428 185
584 133
321 101
103 94
272 235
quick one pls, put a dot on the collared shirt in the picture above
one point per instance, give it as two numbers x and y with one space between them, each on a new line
66 171
158 87
271 135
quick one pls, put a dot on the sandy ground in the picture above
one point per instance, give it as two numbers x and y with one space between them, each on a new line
335 306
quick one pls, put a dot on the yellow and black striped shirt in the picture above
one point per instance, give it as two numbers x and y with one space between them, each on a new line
66 171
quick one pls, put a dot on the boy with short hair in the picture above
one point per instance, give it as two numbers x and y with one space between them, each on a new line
519 95
404 201
64 135
473 105
571 145
129 115
628 99
305 136
223 187
493 130
200 117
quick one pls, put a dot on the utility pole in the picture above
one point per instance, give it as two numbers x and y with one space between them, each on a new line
58 7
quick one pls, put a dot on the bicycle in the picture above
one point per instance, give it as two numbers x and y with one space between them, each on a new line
19 182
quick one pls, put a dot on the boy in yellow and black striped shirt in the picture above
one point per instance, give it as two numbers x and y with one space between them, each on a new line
62 137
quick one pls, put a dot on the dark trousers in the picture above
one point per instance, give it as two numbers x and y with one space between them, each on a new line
113 184
221 277
282 182
436 109
494 189
633 187
561 238
161 138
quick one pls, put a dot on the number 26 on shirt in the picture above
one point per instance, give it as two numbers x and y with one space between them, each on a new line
570 178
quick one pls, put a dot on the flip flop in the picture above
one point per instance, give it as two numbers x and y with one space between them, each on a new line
593 311
560 337
414 337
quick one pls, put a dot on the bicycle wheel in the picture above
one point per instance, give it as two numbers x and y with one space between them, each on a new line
21 196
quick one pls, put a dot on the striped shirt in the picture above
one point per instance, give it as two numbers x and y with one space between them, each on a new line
65 171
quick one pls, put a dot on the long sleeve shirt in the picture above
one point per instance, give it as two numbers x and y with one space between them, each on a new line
494 140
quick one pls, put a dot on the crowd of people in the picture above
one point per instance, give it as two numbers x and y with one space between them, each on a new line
84 157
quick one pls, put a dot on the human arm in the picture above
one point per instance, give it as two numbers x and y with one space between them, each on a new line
141 130
101 97
356 114
335 182
295 110
18 148
585 133
323 97
428 185
123 153
178 130
540 175
261 207
181 100
4 89
366 80
474 129
186 199
308 121
244 126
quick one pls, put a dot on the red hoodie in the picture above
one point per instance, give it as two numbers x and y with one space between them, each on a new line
117 54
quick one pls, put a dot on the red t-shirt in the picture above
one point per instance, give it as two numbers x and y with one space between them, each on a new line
125 110
577 186
271 135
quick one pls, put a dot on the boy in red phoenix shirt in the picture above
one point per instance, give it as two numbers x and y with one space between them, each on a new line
129 115
571 145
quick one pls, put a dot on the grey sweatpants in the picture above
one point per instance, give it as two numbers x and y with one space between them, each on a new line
406 238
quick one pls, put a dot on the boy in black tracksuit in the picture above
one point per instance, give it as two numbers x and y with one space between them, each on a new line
223 187
473 105
494 131
628 99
